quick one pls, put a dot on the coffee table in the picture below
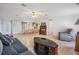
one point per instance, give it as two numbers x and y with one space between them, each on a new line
44 46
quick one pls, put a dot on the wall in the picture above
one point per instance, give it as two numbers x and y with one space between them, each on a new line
50 27
17 28
5 26
64 22
57 24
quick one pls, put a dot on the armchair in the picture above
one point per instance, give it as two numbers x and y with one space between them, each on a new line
68 36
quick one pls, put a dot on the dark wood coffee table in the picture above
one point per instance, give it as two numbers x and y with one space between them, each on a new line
43 46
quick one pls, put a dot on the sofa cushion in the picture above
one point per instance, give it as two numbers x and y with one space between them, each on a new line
12 38
8 39
3 39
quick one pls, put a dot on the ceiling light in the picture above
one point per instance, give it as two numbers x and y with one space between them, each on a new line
34 14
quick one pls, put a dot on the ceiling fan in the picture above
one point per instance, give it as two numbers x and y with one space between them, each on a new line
24 5
35 11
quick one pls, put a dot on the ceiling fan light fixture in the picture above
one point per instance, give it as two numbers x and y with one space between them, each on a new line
23 5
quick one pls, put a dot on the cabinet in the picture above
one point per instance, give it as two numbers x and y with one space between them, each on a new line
77 43
42 29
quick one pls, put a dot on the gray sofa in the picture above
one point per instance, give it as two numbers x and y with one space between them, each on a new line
1 47
68 35
12 46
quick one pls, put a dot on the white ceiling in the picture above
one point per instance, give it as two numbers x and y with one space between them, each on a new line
12 10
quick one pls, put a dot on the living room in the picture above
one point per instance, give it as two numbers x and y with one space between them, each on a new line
30 21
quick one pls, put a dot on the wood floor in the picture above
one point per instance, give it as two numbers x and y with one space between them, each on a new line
65 48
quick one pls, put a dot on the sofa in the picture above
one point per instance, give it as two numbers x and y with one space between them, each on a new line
12 46
68 35
1 47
